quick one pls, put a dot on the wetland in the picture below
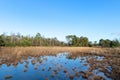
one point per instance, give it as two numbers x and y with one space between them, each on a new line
59 63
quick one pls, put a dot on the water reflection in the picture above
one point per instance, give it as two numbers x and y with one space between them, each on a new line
63 66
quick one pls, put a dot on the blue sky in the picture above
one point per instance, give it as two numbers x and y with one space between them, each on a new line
94 19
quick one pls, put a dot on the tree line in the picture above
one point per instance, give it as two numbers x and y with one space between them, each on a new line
20 40
73 40
38 40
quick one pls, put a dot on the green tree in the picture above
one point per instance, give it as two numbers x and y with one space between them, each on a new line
90 44
115 43
37 39
2 43
105 43
83 41
73 40
69 39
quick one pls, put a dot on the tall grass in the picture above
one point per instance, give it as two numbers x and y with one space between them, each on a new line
54 50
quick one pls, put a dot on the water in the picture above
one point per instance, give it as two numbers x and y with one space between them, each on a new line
62 66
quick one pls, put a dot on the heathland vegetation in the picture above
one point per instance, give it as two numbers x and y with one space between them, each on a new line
38 40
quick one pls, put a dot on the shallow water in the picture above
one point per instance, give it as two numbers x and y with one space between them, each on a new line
63 66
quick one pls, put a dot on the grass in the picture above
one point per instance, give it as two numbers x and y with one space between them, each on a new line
53 50
14 54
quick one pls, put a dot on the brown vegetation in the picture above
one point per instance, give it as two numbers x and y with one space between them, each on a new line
8 77
36 51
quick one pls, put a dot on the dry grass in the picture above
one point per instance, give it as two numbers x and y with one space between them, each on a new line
54 50
16 53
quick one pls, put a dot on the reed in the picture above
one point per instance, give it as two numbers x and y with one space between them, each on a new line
37 51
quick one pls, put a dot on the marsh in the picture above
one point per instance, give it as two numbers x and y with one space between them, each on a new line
58 65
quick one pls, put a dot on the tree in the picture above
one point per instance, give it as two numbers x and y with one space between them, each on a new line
26 42
2 43
115 43
105 43
90 44
76 41
83 41
69 39
38 39
38 35
95 43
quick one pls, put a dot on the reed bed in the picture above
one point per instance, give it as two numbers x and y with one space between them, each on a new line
15 54
55 50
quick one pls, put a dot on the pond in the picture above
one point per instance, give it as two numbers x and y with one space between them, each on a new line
62 66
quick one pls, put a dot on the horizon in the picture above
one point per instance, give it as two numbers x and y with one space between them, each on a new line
51 18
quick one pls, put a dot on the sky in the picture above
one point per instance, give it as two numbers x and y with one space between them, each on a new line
94 19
